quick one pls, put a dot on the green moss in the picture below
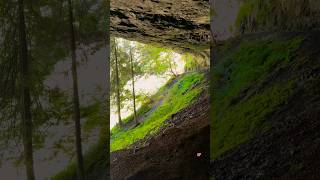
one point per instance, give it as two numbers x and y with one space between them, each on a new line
264 13
246 118
246 10
178 97
250 62
238 110
259 11
142 110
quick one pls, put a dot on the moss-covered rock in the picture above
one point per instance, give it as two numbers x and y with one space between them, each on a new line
265 107
239 110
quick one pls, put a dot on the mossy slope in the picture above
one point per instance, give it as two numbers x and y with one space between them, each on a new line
179 95
268 128
241 101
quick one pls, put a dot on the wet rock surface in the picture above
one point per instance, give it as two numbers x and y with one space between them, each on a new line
182 25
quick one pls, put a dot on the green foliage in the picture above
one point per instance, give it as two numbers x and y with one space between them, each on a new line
238 115
120 54
278 14
246 10
147 60
178 97
60 105
191 63
155 60
48 42
95 158
89 14
94 116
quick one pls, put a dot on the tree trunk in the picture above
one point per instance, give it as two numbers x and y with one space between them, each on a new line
25 98
172 72
117 83
76 106
105 132
133 90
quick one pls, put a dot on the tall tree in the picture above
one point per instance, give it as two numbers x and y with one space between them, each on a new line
171 63
25 94
117 82
133 88
23 68
45 25
156 61
76 106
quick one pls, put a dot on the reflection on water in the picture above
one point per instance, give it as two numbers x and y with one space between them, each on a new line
92 84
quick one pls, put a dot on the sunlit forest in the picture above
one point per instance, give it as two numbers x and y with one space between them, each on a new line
148 85
142 70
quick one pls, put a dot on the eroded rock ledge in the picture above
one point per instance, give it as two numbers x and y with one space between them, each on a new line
183 25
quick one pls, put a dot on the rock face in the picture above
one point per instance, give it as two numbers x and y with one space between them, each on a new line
183 25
